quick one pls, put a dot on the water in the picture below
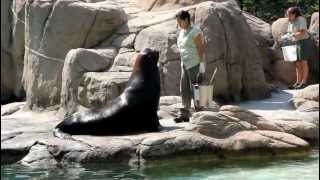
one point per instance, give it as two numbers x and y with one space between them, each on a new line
286 168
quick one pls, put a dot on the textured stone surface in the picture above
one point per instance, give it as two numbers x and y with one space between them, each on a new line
314 26
37 147
12 50
156 5
307 99
52 30
26 137
97 88
77 62
240 63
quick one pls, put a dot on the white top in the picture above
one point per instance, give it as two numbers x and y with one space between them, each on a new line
299 24
188 50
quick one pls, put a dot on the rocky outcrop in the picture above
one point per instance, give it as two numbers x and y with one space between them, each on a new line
49 42
231 120
282 71
260 29
77 62
37 147
264 40
236 57
314 27
159 30
12 49
156 5
230 131
307 99
163 38
52 30
97 89
11 108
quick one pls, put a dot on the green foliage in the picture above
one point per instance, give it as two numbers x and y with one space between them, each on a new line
266 9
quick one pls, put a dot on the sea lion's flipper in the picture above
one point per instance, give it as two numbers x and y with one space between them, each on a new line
59 134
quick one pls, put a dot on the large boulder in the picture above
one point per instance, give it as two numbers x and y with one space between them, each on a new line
224 49
279 28
217 125
26 137
231 120
157 5
307 99
314 26
264 40
281 70
98 88
163 38
238 59
79 61
12 49
52 30
260 29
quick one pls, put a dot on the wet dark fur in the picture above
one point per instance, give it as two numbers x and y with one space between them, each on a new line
139 114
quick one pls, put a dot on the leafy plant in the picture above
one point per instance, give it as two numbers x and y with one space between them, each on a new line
267 9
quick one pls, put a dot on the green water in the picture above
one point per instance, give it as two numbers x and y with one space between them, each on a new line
293 168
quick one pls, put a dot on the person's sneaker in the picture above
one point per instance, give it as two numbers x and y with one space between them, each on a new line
181 119
198 108
293 86
301 86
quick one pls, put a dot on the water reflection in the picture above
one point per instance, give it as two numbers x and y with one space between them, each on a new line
195 168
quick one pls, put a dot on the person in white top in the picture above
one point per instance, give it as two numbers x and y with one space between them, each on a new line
297 33
190 43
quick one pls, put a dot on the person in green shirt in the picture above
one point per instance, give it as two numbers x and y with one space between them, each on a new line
190 43
297 32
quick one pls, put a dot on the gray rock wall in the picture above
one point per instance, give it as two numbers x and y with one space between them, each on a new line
12 49
53 28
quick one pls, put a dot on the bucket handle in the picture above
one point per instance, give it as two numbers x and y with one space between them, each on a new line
213 76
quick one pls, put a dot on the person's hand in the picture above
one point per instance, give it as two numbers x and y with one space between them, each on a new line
286 37
202 68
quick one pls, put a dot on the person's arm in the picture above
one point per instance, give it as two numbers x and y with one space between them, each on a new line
302 29
199 42
299 34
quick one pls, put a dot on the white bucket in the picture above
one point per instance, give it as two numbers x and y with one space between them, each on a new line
203 95
290 53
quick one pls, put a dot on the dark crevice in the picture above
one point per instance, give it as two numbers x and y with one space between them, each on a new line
90 28
10 20
227 50
47 21
10 156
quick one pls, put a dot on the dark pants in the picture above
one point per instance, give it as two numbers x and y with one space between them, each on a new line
188 77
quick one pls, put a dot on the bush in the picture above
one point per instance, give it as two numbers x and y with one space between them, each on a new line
270 9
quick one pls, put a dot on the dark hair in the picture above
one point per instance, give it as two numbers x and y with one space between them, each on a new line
294 10
274 18
183 15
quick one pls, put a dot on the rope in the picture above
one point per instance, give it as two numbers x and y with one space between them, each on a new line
33 51
44 56
16 16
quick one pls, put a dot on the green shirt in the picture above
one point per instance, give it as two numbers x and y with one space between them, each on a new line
187 48
299 24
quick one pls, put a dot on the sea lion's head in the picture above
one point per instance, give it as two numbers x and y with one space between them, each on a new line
146 60
149 58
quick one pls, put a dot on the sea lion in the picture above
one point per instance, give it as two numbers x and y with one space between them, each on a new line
133 111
